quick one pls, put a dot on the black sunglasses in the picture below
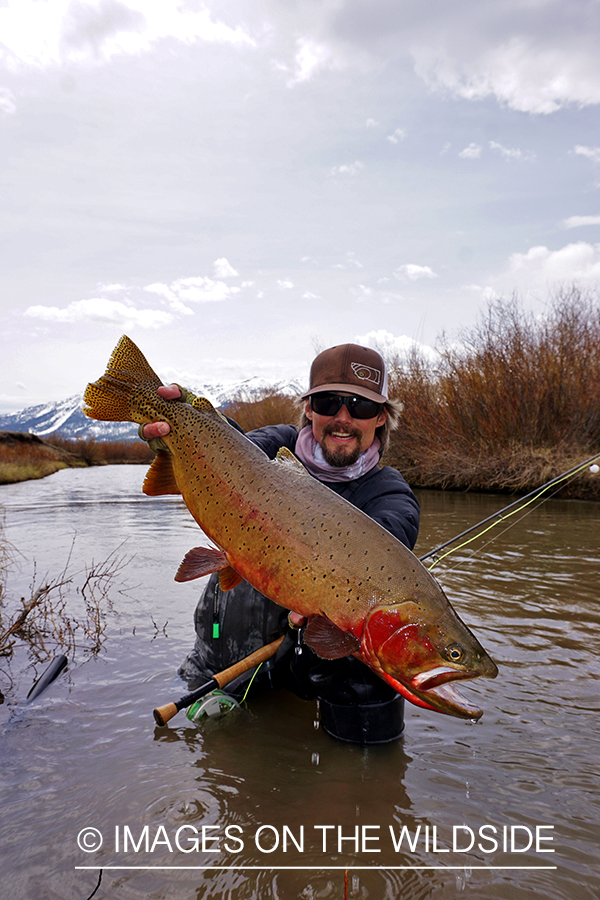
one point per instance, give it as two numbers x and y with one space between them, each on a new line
358 407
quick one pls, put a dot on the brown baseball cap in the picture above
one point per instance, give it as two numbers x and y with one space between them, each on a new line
352 369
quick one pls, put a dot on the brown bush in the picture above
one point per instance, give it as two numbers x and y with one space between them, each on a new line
255 409
91 452
24 456
511 405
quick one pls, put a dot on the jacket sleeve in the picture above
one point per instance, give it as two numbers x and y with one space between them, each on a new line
399 514
272 438
385 496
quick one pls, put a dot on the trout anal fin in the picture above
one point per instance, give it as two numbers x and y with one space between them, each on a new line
204 561
160 477
229 578
286 458
328 640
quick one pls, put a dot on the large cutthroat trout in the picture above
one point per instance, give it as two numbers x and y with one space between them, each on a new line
298 543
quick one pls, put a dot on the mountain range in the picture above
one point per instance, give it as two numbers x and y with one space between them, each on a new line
65 417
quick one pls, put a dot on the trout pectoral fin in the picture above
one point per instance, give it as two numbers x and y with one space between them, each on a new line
160 477
202 561
285 457
328 640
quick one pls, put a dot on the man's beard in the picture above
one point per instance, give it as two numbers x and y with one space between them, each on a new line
340 456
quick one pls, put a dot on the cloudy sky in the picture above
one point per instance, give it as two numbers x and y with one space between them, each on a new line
234 184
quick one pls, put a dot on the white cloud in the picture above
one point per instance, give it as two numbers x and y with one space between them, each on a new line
125 312
8 104
352 261
473 151
371 123
398 135
349 169
222 269
592 153
87 28
285 284
43 34
540 72
511 152
541 270
575 262
392 347
103 311
579 221
412 272
311 57
198 289
172 297
202 290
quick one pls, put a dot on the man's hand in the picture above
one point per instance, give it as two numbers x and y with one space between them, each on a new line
159 429
295 620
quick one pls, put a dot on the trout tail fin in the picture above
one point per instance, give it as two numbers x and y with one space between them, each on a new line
128 372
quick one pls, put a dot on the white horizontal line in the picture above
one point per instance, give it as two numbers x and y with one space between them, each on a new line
324 866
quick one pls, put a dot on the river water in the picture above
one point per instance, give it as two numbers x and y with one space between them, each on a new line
262 803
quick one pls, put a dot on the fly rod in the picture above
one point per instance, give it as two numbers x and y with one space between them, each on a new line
162 714
522 501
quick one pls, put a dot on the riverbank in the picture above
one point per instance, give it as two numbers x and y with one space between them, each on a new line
25 456
512 471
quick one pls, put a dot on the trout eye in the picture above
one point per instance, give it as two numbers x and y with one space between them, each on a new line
455 653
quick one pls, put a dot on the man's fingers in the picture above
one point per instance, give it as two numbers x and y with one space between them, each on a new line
155 429
160 429
169 391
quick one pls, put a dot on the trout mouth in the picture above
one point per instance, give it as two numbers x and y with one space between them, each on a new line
433 690
445 697
440 675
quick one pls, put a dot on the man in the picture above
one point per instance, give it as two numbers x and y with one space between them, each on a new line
344 429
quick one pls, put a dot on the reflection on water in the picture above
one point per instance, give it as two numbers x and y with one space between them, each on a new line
263 787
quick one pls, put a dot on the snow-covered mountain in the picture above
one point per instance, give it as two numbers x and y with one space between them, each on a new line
67 419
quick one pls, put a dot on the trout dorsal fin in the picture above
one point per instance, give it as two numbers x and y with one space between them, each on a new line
286 458
160 477
203 405
328 640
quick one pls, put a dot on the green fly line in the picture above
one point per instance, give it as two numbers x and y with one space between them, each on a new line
500 517
250 683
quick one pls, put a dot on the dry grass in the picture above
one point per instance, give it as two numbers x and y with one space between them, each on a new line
101 453
263 407
24 456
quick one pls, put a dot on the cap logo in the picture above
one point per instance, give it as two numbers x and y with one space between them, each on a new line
366 373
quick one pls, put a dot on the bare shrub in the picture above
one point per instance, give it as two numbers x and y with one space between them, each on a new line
510 405
46 620
267 406
91 452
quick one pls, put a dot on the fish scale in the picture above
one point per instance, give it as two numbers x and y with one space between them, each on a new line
298 543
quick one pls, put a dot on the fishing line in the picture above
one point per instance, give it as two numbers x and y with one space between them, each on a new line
250 682
97 886
474 551
504 514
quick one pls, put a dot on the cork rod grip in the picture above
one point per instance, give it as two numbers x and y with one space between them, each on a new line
162 714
